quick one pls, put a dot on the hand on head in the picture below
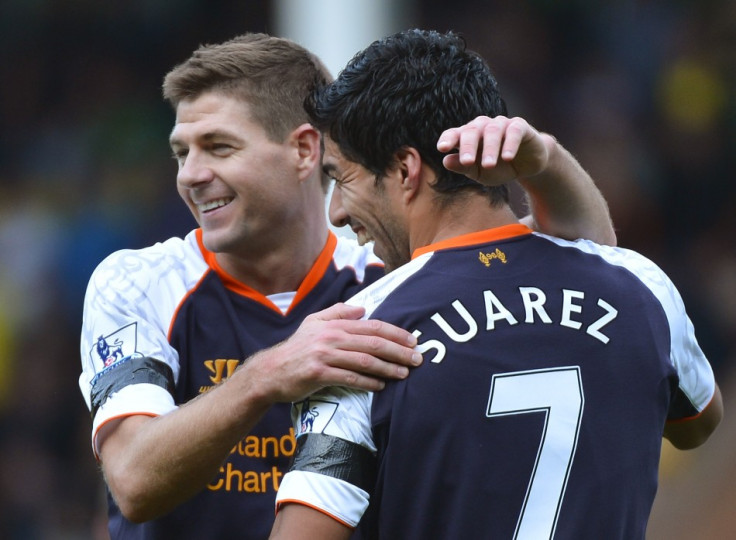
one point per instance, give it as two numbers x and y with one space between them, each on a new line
494 151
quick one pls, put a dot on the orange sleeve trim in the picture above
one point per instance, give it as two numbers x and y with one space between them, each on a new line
693 417
320 510
480 237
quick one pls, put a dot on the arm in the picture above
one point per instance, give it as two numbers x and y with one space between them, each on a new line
692 432
334 467
563 199
299 522
154 464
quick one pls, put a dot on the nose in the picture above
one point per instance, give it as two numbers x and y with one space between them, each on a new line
193 170
337 214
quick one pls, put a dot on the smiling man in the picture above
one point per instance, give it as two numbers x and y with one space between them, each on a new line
552 368
193 348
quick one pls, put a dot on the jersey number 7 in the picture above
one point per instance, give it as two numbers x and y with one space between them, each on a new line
558 393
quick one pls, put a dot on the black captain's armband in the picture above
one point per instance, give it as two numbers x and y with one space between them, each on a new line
335 457
127 371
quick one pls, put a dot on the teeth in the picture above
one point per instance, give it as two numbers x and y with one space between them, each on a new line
363 237
211 205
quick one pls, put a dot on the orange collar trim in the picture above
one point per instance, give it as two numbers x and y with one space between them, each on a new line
310 281
480 237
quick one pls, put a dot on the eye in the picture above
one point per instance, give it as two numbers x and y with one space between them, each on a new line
220 148
179 155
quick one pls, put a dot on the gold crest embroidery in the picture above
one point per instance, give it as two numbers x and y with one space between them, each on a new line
486 258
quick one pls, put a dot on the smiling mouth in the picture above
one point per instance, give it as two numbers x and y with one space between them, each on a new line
213 205
363 236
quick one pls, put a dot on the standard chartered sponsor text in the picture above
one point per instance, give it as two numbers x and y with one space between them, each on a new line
231 478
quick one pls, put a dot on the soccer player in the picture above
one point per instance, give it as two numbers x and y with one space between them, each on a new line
192 349
552 368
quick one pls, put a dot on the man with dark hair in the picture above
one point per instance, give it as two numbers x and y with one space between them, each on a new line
552 368
193 348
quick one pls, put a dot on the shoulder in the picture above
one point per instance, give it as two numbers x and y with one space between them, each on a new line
640 269
172 255
175 259
611 254
640 266
374 295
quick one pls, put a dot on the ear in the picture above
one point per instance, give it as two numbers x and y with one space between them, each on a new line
409 169
306 140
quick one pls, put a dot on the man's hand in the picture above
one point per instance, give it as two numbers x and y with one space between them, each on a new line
495 151
563 198
334 347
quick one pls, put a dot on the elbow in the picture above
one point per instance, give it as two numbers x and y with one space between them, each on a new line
131 496
604 234
609 238
135 513
689 442
691 433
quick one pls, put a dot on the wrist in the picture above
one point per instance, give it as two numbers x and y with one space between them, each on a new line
244 393
552 169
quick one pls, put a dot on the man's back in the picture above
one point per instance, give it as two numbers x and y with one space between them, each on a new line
540 406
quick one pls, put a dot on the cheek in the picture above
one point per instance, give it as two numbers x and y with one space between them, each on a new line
184 194
395 236
359 199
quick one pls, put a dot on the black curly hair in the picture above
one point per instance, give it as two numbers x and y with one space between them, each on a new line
404 91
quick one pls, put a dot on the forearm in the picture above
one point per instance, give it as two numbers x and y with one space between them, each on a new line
154 464
564 201
296 521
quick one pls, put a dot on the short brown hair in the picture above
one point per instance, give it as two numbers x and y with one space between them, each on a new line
273 75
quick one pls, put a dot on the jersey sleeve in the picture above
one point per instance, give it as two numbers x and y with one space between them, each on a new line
334 464
696 385
696 382
125 320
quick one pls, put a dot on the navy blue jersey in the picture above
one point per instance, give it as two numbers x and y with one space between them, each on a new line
550 370
173 303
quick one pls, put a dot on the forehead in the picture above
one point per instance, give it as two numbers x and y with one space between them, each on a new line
332 154
212 112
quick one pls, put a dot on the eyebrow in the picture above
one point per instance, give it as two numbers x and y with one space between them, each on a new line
206 137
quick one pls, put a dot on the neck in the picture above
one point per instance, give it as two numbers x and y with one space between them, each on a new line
436 223
282 259
277 270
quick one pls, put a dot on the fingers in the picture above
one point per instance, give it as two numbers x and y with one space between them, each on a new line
336 347
494 150
514 133
480 144
338 311
387 341
371 347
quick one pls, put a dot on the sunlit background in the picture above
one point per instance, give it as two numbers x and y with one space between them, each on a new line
642 92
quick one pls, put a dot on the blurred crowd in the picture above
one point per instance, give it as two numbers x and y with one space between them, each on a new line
642 92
